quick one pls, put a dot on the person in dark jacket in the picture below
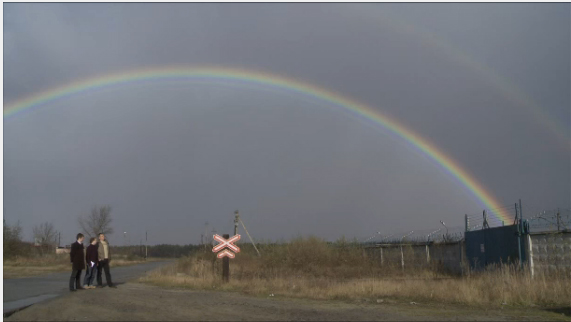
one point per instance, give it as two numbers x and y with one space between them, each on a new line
77 258
91 261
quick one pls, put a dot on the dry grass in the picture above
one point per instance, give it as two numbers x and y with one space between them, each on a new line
53 263
311 268
37 265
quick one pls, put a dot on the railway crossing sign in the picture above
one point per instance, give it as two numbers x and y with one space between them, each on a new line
226 243
226 253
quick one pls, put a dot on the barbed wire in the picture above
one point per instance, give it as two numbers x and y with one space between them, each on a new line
544 220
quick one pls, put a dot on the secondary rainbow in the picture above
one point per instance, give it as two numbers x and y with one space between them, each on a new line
267 79
557 126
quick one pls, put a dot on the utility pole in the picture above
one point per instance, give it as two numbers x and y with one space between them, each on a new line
520 233
236 220
206 235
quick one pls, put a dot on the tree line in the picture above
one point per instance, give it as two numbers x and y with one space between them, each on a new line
46 236
98 220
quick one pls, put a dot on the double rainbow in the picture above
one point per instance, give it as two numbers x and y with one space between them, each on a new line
277 81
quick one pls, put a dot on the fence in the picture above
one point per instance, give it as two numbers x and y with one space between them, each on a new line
445 257
542 241
549 253
552 220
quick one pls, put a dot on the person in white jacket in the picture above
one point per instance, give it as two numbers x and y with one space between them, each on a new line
104 258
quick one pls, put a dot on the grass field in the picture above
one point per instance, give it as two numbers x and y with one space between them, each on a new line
312 268
52 263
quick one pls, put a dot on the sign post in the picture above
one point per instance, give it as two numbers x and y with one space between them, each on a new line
225 254
226 265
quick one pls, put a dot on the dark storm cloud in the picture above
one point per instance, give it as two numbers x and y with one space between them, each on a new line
170 156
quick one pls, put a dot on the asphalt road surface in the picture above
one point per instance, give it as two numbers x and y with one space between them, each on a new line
22 292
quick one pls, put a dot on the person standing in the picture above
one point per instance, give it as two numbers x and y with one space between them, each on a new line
77 258
91 260
104 257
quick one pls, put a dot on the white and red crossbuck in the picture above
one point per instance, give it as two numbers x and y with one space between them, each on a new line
225 253
226 243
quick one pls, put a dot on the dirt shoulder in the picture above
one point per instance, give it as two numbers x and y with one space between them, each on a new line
141 302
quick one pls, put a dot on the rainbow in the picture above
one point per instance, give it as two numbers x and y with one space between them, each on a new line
277 81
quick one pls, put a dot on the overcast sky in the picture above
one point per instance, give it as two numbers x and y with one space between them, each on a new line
169 156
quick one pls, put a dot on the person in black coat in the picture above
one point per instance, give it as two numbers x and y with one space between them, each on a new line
91 260
77 258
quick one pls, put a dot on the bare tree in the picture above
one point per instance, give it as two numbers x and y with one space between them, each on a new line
98 221
45 234
13 245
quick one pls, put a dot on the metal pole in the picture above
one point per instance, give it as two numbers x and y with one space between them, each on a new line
226 265
146 246
443 224
401 252
428 241
485 224
402 257
530 254
466 222
515 220
382 240
520 232
236 220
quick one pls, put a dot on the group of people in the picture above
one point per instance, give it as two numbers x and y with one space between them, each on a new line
94 260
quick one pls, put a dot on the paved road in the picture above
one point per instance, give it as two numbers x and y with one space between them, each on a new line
21 292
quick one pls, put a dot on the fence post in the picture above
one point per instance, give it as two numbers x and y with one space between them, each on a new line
530 255
402 257
466 223
462 245
558 221
226 264
515 219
